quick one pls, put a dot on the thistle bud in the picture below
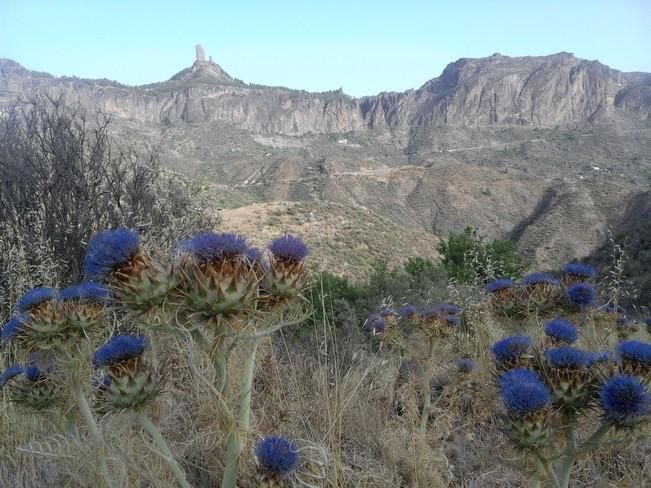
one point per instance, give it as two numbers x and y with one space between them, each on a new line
115 257
129 383
218 280
83 305
277 458
42 325
32 387
287 276
527 400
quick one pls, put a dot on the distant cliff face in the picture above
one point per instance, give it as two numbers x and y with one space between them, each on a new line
545 150
557 90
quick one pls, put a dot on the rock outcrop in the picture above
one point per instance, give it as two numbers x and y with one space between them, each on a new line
547 91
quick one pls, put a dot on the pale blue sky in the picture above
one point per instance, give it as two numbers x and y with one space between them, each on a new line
363 46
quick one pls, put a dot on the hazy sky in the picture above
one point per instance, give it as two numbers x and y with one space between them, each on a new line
362 46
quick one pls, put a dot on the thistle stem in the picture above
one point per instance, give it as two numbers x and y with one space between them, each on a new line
567 461
165 452
87 415
427 399
234 442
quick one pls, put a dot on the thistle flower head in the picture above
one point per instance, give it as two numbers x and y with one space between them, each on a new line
9 373
12 328
499 284
561 330
635 351
581 270
109 251
517 375
211 246
624 399
34 298
465 365
582 295
453 320
289 248
277 456
523 393
601 357
119 348
539 279
86 292
33 373
511 348
408 310
254 255
376 322
567 357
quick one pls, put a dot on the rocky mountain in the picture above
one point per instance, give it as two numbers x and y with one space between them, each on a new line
548 150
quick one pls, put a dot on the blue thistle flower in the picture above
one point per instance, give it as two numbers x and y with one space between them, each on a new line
408 310
376 322
289 248
110 250
523 394
465 365
34 298
119 348
582 295
582 270
601 357
386 312
624 399
635 351
449 308
277 456
9 373
12 328
453 320
211 246
518 375
499 284
87 292
253 254
562 330
33 373
540 279
511 348
568 357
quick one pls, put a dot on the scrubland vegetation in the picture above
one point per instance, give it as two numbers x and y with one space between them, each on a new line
161 352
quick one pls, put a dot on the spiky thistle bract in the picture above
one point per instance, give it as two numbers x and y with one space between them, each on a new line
34 298
561 330
119 348
108 251
624 400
